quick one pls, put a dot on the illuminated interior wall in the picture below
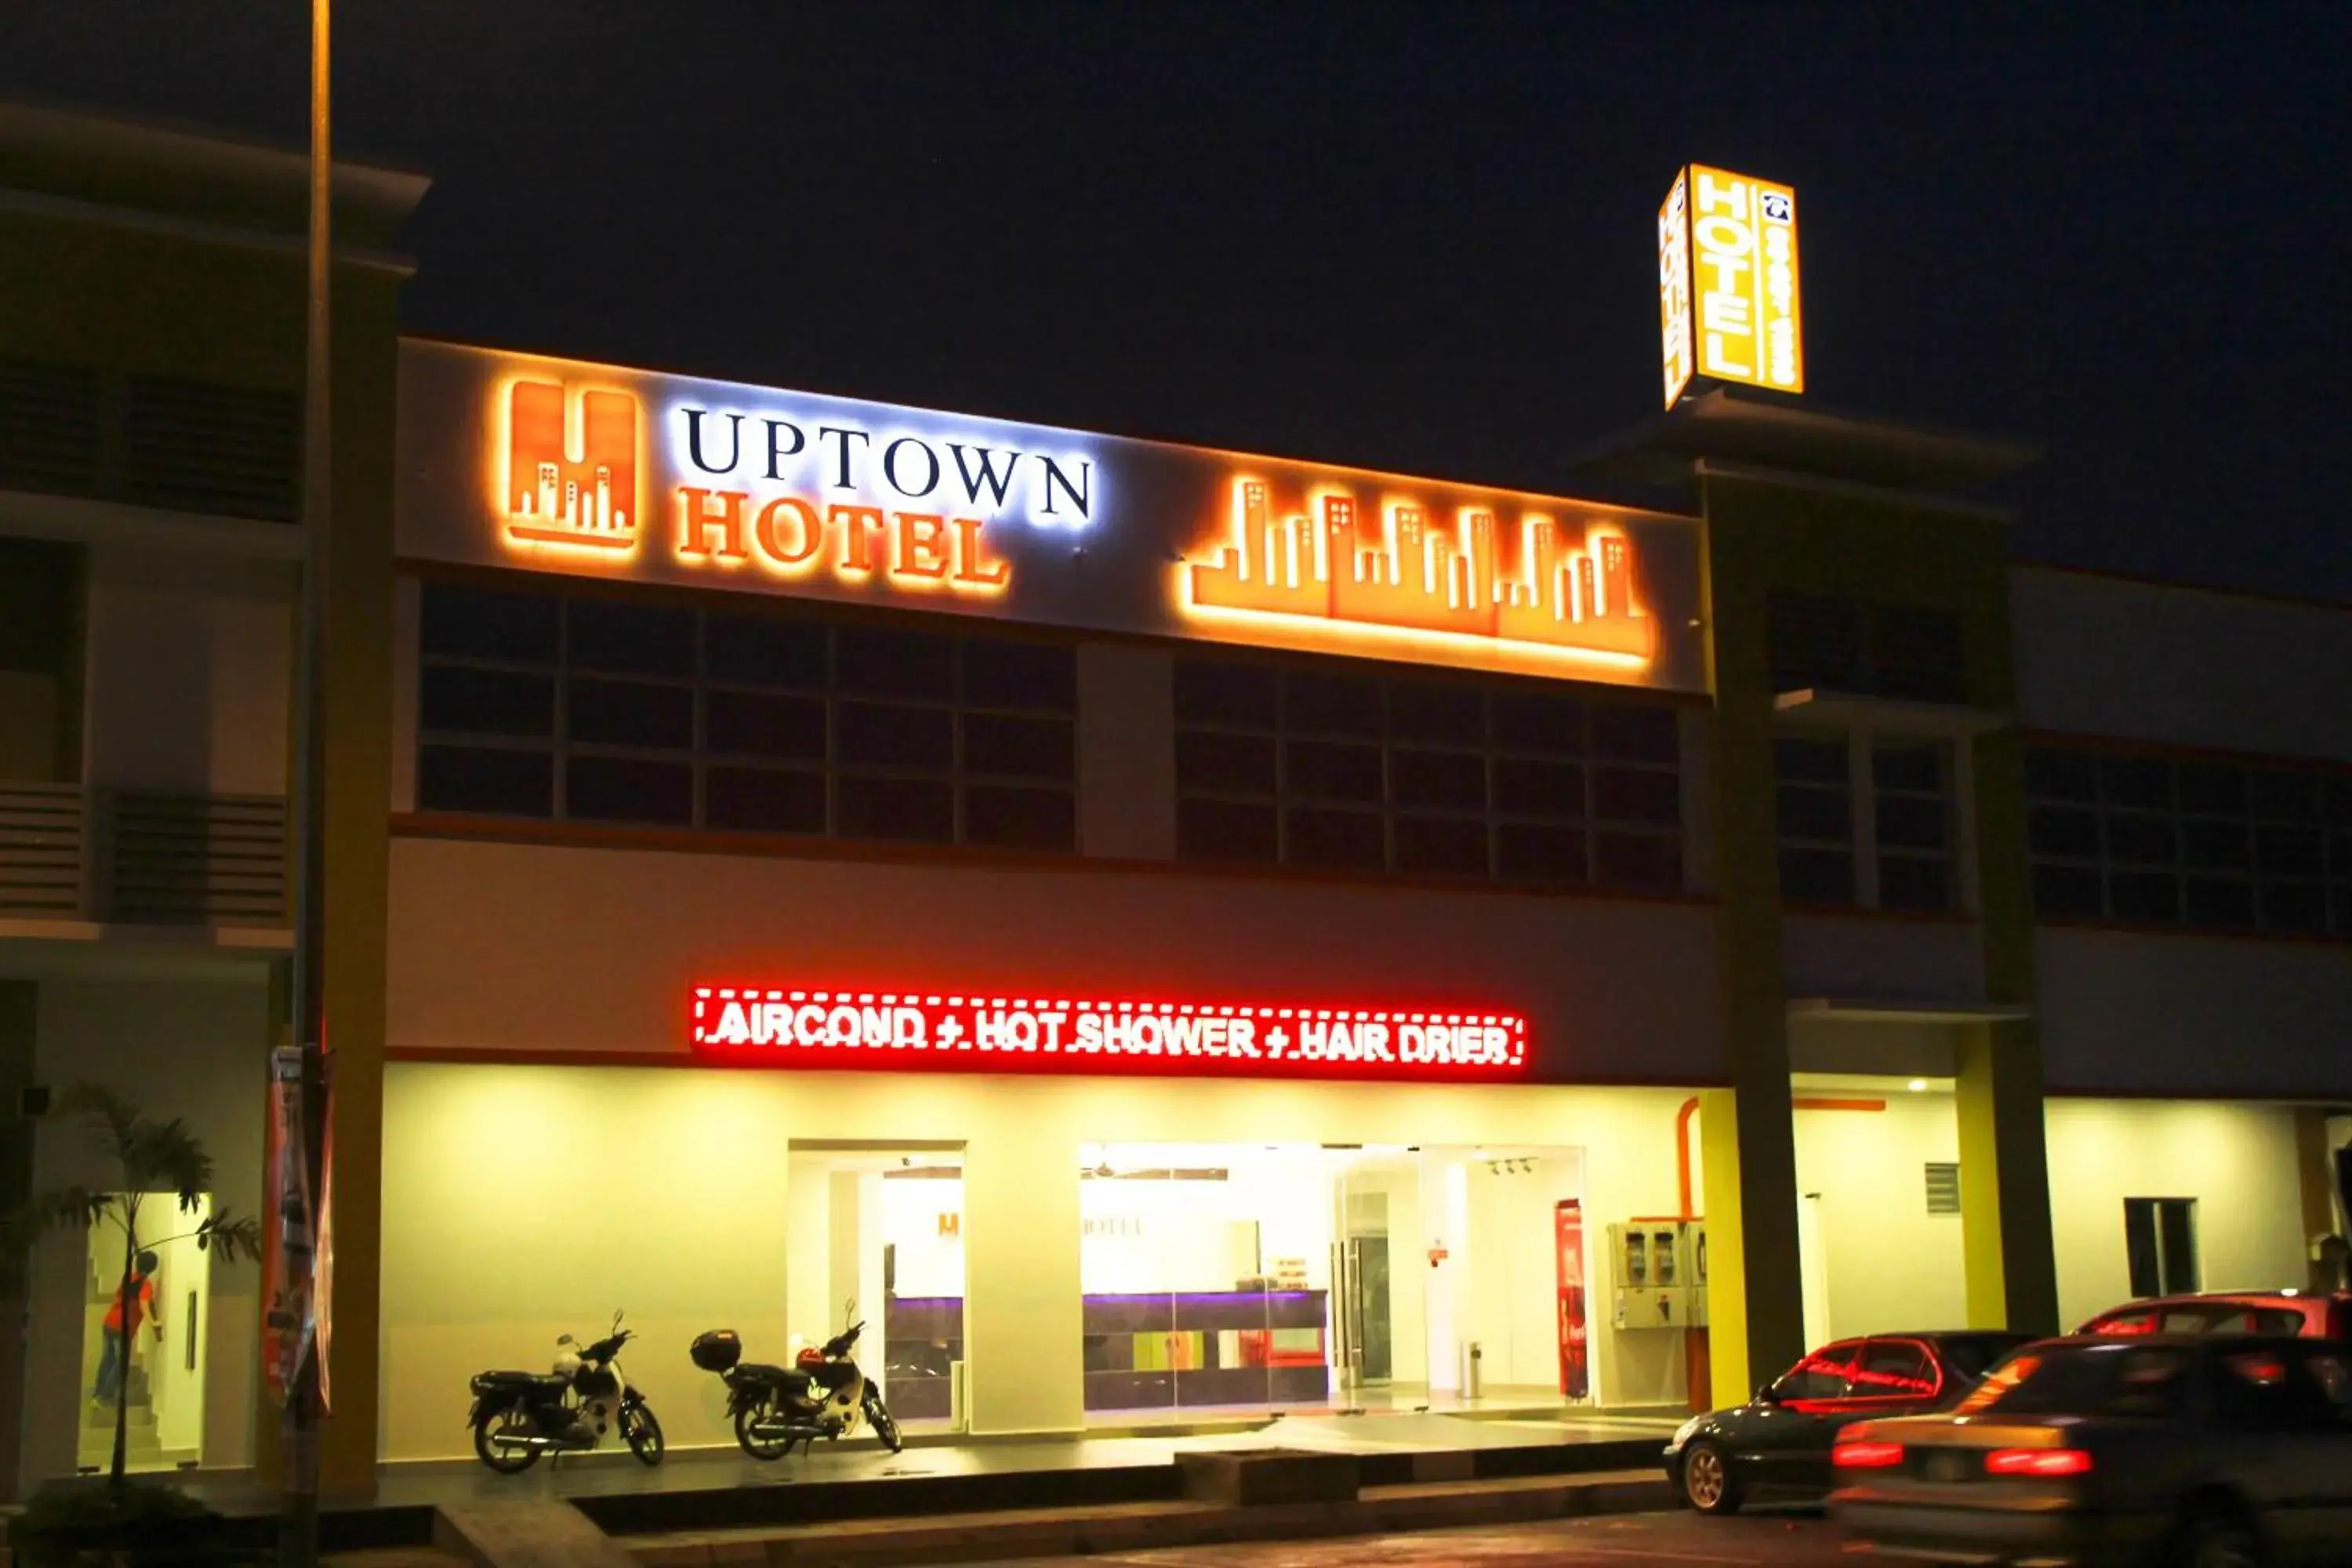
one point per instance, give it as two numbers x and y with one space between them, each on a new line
1887 1264
2237 1161
672 1192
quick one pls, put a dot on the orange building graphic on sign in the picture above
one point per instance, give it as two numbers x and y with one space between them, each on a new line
1574 591
552 496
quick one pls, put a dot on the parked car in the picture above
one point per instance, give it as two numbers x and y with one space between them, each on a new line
2308 1314
2212 1451
1779 1442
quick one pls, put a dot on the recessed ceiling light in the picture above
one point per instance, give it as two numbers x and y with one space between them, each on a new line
1918 1086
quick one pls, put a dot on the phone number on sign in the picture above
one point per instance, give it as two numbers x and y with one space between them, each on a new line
865 1028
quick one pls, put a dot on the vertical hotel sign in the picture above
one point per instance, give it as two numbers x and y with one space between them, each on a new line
1729 297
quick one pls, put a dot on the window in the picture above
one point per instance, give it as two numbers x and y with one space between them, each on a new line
2217 844
2160 1242
767 720
1425 775
1877 650
1912 817
1812 791
1894 1369
1834 791
1827 1373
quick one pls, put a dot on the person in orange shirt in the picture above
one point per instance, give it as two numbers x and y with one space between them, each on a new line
134 1299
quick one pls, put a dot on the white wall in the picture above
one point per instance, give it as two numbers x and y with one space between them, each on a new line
2211 1016
2097 656
670 1191
196 1049
1891 1265
1513 1305
2237 1161
188 673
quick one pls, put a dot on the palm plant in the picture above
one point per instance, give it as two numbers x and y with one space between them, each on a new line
152 1157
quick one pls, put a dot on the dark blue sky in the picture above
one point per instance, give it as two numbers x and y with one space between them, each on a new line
1413 238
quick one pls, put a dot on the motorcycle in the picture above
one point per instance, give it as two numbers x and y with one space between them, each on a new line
519 1416
821 1394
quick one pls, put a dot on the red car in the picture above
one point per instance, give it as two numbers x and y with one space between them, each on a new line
2303 1314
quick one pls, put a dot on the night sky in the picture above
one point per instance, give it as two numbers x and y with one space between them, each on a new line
1415 238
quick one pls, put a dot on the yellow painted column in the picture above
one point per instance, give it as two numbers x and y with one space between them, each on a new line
1726 1251
1025 1355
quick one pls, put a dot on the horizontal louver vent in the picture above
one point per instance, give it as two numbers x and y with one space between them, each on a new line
205 859
1943 1188
1814 642
41 850
1917 654
1873 650
193 448
50 421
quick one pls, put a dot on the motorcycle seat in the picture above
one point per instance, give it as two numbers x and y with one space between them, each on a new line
764 1371
548 1382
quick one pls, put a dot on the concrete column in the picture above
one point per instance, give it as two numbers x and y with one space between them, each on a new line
1023 1351
2314 1170
2011 1258
19 1001
1732 1369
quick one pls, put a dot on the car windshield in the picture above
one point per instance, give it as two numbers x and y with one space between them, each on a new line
1968 1356
2084 1380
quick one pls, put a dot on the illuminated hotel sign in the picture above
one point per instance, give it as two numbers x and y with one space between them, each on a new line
893 1031
587 470
1729 305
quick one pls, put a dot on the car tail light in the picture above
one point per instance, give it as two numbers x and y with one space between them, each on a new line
2046 1464
1867 1456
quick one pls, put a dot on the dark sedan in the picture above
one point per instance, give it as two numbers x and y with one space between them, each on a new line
1778 1443
2203 1451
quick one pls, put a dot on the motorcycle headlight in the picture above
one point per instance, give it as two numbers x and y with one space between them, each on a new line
1684 1432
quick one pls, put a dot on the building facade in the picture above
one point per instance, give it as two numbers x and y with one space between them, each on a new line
1150 930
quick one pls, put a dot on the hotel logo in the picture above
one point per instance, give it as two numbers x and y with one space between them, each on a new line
571 467
1561 588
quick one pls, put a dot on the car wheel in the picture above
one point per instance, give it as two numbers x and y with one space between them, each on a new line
1707 1484
2219 1541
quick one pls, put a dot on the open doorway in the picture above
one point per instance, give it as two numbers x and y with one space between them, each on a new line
148 1337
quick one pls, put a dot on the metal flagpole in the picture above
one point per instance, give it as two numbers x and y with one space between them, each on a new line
297 1544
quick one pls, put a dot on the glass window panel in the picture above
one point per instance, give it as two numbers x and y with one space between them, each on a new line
2215 845
481 622
876 735
1456 780
1206 760
1020 818
1534 854
1032 676
1806 812
2068 891
1908 767
1911 822
1525 788
2053 774
1541 723
1915 882
1817 877
1441 847
2142 838
1019 748
917 810
2294 906
2143 896
1811 758
764 800
1337 839
630 639
2291 851
2064 831
1637 794
873 661
478 779
1626 733
2135 781
2339 802
1314 703
2217 789
629 713
2281 797
1652 861
628 789
1437 713
2226 901
1235 696
1318 770
765 650
760 724
1226 830
461 702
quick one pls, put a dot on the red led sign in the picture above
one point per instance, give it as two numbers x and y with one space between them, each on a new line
898 1030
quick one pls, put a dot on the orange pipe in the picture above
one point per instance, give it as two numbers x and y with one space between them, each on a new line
1682 1138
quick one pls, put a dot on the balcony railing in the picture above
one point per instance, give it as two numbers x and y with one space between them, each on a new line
141 857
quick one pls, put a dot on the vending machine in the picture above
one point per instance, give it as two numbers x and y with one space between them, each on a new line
1568 1250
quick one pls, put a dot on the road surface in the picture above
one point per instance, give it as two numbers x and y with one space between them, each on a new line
1629 1540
